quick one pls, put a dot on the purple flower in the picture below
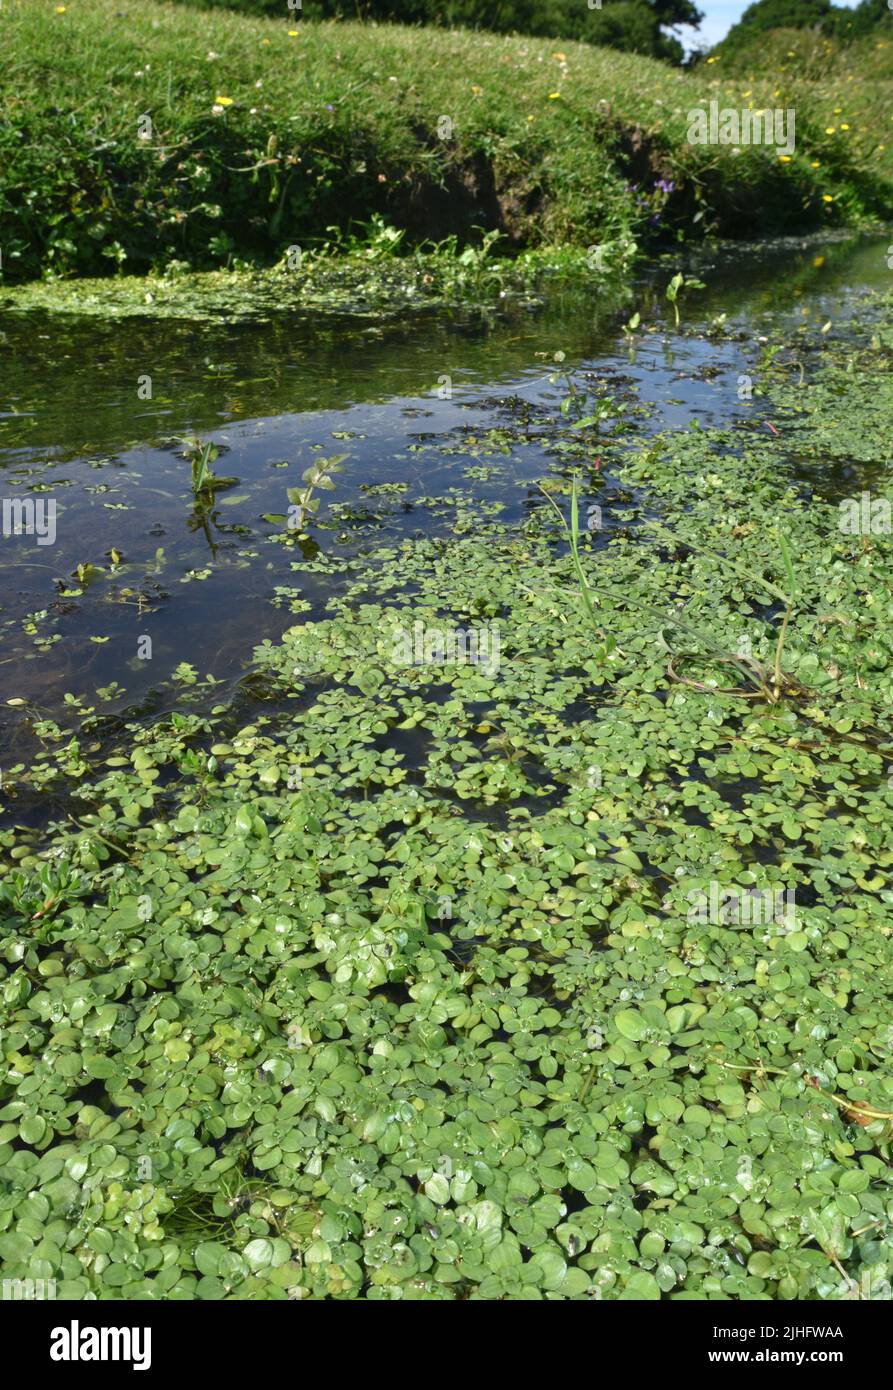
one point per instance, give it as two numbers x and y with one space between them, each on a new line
665 185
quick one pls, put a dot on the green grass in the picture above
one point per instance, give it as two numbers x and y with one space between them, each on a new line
341 123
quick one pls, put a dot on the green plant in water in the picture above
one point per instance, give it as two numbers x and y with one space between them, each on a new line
318 475
771 684
474 259
201 453
576 398
51 889
675 288
606 408
789 608
377 240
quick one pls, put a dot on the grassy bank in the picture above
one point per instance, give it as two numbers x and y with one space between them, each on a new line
134 135
435 980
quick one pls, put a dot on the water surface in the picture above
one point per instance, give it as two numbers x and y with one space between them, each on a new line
434 413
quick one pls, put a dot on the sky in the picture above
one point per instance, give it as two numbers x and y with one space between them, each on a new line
719 16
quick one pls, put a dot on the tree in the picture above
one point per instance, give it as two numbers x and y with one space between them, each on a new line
856 23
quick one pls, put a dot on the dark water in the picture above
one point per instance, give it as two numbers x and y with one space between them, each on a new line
409 402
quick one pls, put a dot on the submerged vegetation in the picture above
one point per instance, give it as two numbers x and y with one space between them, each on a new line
561 974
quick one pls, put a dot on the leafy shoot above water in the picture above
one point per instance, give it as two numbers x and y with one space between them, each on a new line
675 288
303 504
201 453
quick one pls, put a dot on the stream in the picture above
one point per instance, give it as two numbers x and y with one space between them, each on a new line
93 414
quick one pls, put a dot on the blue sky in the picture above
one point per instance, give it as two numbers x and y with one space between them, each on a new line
719 16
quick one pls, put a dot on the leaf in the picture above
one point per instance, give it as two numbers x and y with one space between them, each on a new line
210 1257
630 1024
788 565
258 1253
437 1189
642 1286
32 1129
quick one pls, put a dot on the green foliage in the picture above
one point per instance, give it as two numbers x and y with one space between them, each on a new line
822 16
318 475
778 14
863 21
203 481
676 286
362 986
543 146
